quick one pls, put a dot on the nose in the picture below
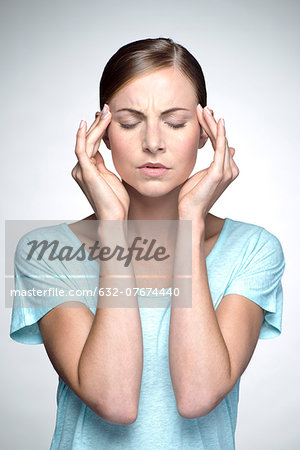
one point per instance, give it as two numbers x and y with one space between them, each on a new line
153 139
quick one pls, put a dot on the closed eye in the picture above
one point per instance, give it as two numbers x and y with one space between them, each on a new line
124 125
179 125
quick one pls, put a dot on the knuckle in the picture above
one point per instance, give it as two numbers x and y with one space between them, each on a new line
74 170
75 176
236 172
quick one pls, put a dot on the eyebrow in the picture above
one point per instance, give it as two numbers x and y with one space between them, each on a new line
139 113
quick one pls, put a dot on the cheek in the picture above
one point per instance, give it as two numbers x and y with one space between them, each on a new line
188 136
122 151
117 137
120 144
186 147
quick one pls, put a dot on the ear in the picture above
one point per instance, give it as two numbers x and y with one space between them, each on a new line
106 140
203 138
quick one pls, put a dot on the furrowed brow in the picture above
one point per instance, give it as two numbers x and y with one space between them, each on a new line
140 114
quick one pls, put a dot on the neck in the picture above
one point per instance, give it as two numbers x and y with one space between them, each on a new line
165 208
142 207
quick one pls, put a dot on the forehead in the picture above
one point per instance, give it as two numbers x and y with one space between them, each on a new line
163 87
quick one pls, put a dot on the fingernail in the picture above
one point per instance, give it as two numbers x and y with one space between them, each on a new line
81 124
223 122
206 108
105 112
200 107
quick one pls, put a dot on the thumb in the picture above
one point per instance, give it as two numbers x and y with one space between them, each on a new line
100 163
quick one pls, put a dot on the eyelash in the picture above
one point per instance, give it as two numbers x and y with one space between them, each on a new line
181 125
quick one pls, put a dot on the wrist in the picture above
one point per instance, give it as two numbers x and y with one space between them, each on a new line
197 230
197 222
110 227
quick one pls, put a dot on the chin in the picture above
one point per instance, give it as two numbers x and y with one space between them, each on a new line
151 188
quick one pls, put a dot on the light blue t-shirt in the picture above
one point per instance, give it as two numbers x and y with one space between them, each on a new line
246 259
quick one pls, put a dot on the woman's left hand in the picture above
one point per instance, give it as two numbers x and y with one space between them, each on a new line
202 190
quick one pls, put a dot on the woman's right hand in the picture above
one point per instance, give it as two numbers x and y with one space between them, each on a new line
103 189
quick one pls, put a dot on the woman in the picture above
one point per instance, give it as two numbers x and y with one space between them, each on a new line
142 377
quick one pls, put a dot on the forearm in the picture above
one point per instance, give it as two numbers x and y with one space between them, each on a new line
199 359
111 362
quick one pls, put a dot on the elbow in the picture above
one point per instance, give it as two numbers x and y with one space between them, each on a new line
118 410
117 415
122 418
194 403
195 406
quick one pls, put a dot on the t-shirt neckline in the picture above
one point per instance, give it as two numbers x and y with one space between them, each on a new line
214 250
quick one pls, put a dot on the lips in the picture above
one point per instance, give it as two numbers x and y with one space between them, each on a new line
154 165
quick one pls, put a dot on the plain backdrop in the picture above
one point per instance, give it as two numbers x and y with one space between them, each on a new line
52 57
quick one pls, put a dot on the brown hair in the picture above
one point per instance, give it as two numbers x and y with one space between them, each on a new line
139 57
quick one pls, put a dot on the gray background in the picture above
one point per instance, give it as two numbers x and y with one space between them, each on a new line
52 56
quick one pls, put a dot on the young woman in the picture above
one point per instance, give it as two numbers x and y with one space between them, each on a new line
141 377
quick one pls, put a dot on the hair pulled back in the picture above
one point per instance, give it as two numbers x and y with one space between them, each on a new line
144 56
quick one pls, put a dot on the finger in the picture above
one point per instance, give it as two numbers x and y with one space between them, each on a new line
80 147
84 160
206 122
94 124
211 122
220 151
96 147
230 168
97 133
100 163
235 169
228 158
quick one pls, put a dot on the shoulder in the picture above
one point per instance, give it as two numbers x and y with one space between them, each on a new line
40 237
45 232
252 233
255 243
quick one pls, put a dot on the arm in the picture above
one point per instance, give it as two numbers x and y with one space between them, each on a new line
209 350
100 357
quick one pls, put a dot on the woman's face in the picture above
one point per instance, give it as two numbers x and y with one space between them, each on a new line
149 134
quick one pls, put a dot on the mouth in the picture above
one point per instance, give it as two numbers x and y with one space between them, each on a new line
153 166
153 170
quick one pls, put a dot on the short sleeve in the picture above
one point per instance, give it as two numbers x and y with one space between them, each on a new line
40 285
259 279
